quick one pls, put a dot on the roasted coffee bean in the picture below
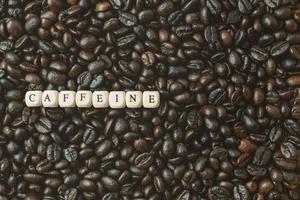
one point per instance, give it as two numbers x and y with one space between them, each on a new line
165 8
218 192
282 162
58 65
56 78
43 125
295 51
103 148
184 195
33 178
288 150
71 194
174 17
259 54
87 185
294 80
214 6
97 66
148 58
168 148
228 122
109 183
168 49
127 19
276 134
96 82
84 79
240 192
262 156
126 41
219 153
116 4
144 160
250 123
53 152
89 135
295 112
194 119
245 6
293 127
210 34
217 96
159 184
14 28
279 48
273 3
255 170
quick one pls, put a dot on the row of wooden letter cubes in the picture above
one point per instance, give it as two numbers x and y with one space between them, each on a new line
97 99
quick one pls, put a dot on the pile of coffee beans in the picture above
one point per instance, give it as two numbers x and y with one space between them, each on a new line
228 125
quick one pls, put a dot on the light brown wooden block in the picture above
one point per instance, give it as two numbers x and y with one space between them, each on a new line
50 98
117 99
100 99
33 98
83 99
151 99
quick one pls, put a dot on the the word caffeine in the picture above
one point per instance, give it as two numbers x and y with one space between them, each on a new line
97 99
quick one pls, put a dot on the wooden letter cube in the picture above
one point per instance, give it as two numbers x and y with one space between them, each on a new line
50 98
151 99
33 98
84 99
117 99
100 99
134 99
66 99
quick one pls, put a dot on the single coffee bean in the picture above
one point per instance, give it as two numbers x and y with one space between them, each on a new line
159 184
245 6
184 195
126 41
127 19
240 192
214 6
165 8
295 51
262 156
148 58
89 135
294 80
279 48
144 160
96 67
218 192
71 194
288 150
174 17
109 183
250 123
88 42
272 3
43 125
259 54
56 78
70 154
217 96
255 170
194 119
14 28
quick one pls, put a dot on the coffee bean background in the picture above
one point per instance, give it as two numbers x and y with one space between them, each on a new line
228 126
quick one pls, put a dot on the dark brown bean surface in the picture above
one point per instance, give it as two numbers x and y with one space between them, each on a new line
228 126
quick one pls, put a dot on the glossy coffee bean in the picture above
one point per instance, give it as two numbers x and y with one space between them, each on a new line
227 73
